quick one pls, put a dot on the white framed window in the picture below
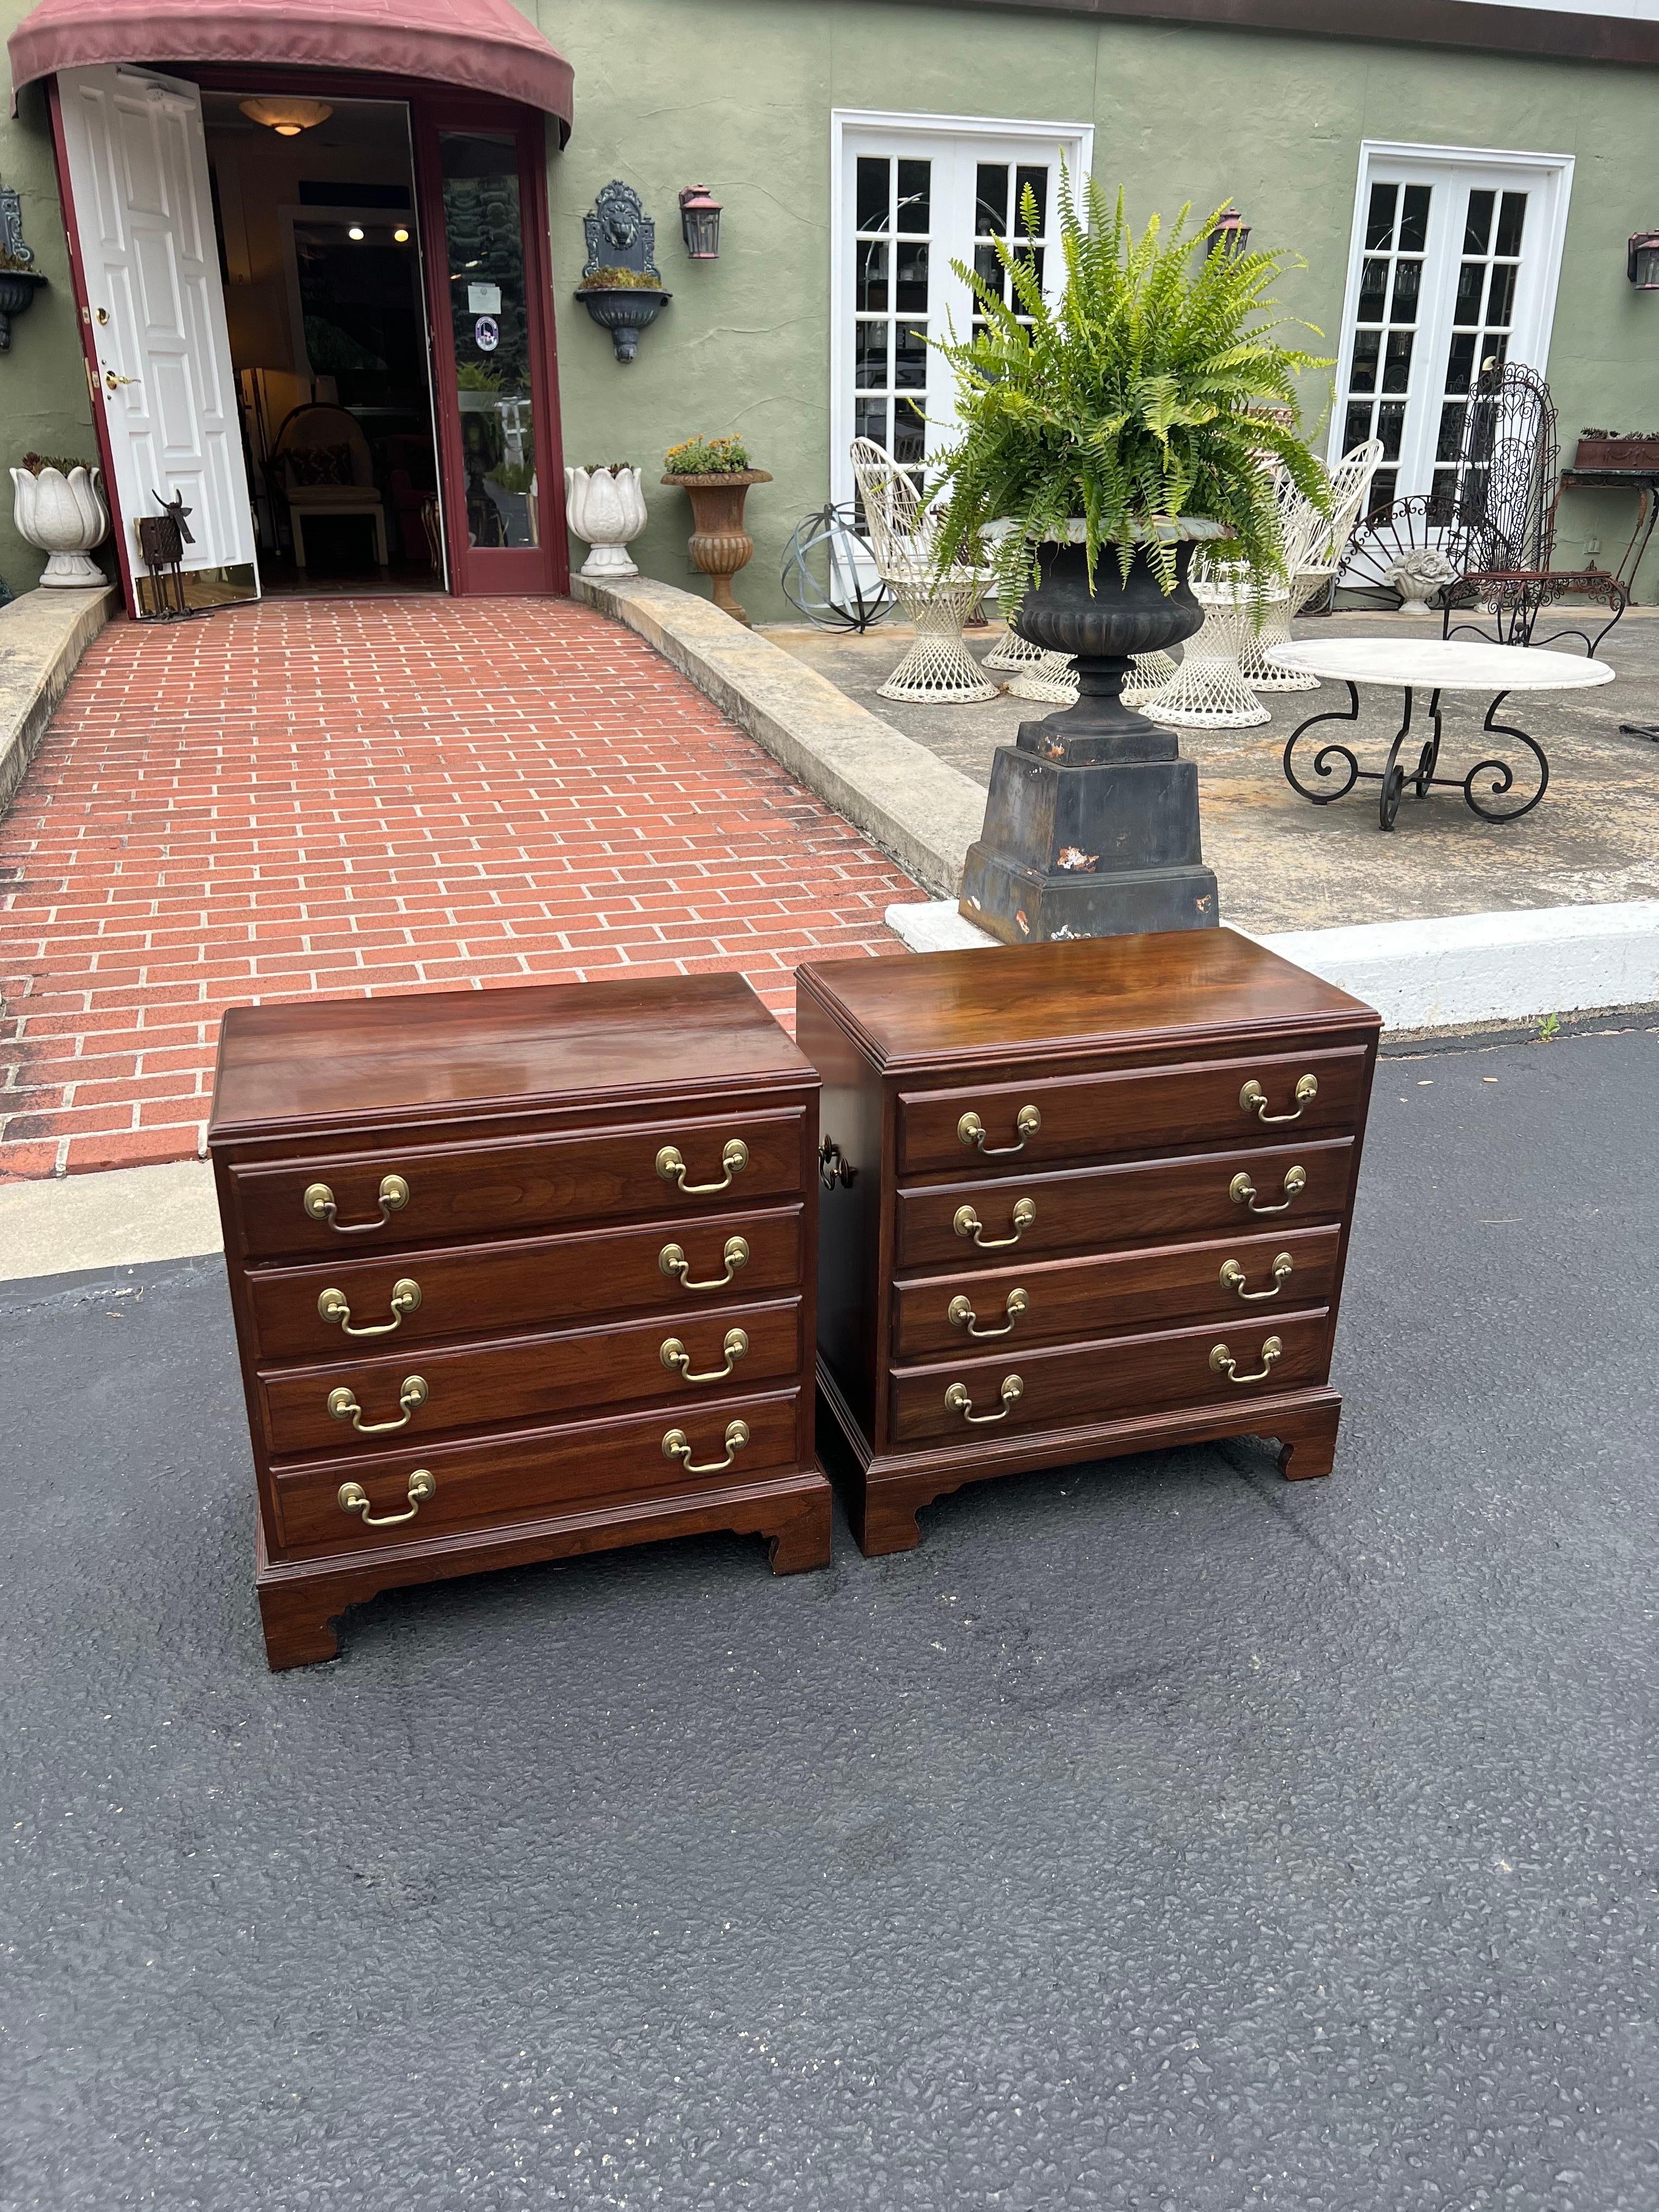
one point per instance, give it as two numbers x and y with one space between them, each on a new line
1454 263
911 194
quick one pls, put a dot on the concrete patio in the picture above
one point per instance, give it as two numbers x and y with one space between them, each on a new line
1285 864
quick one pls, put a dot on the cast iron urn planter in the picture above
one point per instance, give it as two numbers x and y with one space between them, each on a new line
1092 826
718 543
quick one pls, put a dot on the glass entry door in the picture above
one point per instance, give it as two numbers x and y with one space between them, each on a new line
484 207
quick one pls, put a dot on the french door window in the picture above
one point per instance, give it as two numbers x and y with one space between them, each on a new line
1453 270
915 195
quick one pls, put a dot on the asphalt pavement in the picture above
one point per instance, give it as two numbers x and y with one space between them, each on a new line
1160 1835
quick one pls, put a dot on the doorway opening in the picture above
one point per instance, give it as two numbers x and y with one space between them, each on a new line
319 251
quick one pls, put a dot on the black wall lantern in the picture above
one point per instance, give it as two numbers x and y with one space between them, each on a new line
1642 261
1230 234
700 223
20 279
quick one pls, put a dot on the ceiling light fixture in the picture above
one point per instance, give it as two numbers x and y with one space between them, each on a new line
401 237
287 117
356 232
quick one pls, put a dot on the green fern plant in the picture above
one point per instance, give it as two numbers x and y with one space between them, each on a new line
1135 399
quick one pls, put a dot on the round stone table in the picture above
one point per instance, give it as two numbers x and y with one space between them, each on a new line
1435 666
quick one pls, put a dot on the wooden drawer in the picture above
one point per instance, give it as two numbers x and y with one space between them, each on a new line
527 1378
1075 1385
439 1193
513 1478
533 1282
1065 1299
1088 1209
1134 1111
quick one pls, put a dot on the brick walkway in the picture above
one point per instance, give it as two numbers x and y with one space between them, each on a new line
330 799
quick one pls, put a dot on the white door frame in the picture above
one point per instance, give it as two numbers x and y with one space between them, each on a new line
1534 317
1077 145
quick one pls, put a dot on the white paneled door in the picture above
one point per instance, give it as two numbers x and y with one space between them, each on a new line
143 211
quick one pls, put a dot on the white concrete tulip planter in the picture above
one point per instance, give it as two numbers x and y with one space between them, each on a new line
605 507
64 516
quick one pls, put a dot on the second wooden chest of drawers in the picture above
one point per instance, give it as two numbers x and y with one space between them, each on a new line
517 1273
1079 1199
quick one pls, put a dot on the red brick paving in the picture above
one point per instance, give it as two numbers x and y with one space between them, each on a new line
335 799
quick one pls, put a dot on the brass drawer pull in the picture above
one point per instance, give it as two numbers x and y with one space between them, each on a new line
967 1222
677 1445
318 1203
674 1357
405 1296
958 1400
971 1130
354 1498
1223 1362
960 1313
673 1263
671 1166
1254 1099
1233 1278
345 1407
1242 1190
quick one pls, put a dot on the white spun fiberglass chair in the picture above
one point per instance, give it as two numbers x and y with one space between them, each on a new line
1208 691
1314 546
939 670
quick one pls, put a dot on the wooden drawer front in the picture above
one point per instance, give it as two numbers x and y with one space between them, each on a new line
1086 1209
1065 1299
528 1379
1073 1386
534 1282
1138 1110
539 1182
514 1478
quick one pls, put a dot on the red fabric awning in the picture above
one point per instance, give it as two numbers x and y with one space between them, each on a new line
484 45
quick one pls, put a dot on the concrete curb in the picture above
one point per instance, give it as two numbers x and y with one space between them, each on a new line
123 1216
922 814
42 637
1451 973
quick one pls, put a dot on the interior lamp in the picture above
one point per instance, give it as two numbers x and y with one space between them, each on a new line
287 117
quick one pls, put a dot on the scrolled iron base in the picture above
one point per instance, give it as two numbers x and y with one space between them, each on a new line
1334 759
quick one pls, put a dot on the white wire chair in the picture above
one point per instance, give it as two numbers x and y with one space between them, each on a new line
939 670
1314 543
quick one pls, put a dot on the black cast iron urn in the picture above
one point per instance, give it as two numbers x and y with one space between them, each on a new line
1092 826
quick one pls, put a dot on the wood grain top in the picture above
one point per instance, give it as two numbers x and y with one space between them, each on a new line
326 1063
1019 1002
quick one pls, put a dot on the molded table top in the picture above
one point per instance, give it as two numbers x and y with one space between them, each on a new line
1443 664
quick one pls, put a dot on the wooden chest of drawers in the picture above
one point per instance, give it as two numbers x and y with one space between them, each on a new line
1079 1199
516 1274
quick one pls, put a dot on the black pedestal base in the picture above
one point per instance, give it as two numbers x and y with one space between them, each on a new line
1023 908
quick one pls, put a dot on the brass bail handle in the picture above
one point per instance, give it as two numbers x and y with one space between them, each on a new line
960 1313
967 1222
958 1400
674 1264
671 1166
318 1203
1233 1278
354 1498
678 1445
1254 1099
1242 1190
971 1131
678 1360
342 1405
333 1306
1223 1362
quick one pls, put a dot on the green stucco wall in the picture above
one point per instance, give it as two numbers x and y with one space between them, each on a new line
44 407
738 94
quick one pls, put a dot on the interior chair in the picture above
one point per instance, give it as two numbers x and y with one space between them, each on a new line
324 465
939 670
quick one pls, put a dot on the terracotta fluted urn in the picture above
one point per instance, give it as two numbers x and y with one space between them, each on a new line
718 543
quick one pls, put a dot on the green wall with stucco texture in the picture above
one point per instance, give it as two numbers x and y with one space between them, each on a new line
738 94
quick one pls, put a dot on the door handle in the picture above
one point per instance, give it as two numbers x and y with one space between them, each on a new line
114 382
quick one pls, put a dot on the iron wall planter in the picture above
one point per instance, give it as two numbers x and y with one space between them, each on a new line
624 310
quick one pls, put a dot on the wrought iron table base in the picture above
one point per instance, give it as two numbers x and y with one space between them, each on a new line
1332 756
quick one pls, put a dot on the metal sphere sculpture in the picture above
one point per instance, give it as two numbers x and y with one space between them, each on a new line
829 573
